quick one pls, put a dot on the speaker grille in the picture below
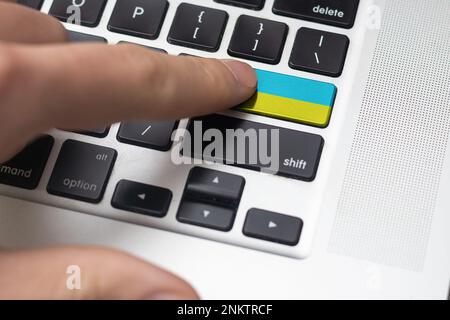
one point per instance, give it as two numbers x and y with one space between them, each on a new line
392 180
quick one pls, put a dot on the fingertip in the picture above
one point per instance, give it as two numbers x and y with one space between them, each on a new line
140 279
168 286
39 27
244 74
186 293
58 32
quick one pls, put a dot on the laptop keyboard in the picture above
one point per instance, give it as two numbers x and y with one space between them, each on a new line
210 199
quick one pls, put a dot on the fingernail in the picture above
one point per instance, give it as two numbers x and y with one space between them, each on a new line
243 72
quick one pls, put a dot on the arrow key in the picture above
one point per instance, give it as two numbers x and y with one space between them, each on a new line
215 186
274 227
141 198
205 215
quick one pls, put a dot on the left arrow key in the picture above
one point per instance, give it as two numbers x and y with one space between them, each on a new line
142 198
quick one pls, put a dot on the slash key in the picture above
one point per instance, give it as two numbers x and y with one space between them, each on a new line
152 135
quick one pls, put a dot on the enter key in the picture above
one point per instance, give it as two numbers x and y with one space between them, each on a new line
292 98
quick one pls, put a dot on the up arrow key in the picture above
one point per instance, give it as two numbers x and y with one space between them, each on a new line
216 180
272 225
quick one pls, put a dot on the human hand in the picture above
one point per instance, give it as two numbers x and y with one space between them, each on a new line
44 84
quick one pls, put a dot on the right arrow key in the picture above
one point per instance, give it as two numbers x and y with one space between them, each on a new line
274 227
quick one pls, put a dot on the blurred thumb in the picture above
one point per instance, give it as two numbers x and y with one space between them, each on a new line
85 273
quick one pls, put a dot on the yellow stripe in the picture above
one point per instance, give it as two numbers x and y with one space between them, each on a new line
288 109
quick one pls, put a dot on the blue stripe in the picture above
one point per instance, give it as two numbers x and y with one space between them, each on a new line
296 88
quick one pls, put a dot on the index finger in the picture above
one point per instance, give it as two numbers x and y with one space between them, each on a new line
86 86
21 24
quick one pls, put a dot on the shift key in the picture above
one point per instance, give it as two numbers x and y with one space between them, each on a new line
82 171
256 146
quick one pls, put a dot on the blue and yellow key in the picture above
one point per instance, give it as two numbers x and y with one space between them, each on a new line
292 98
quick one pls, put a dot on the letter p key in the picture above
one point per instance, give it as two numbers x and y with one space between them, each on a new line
138 11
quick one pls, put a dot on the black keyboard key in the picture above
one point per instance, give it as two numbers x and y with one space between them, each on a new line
319 52
340 13
90 11
249 4
82 171
214 186
96 133
152 135
26 168
139 18
141 198
198 27
273 227
298 155
35 4
211 199
83 37
206 215
258 39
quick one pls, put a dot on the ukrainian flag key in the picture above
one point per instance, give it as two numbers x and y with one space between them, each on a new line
292 98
